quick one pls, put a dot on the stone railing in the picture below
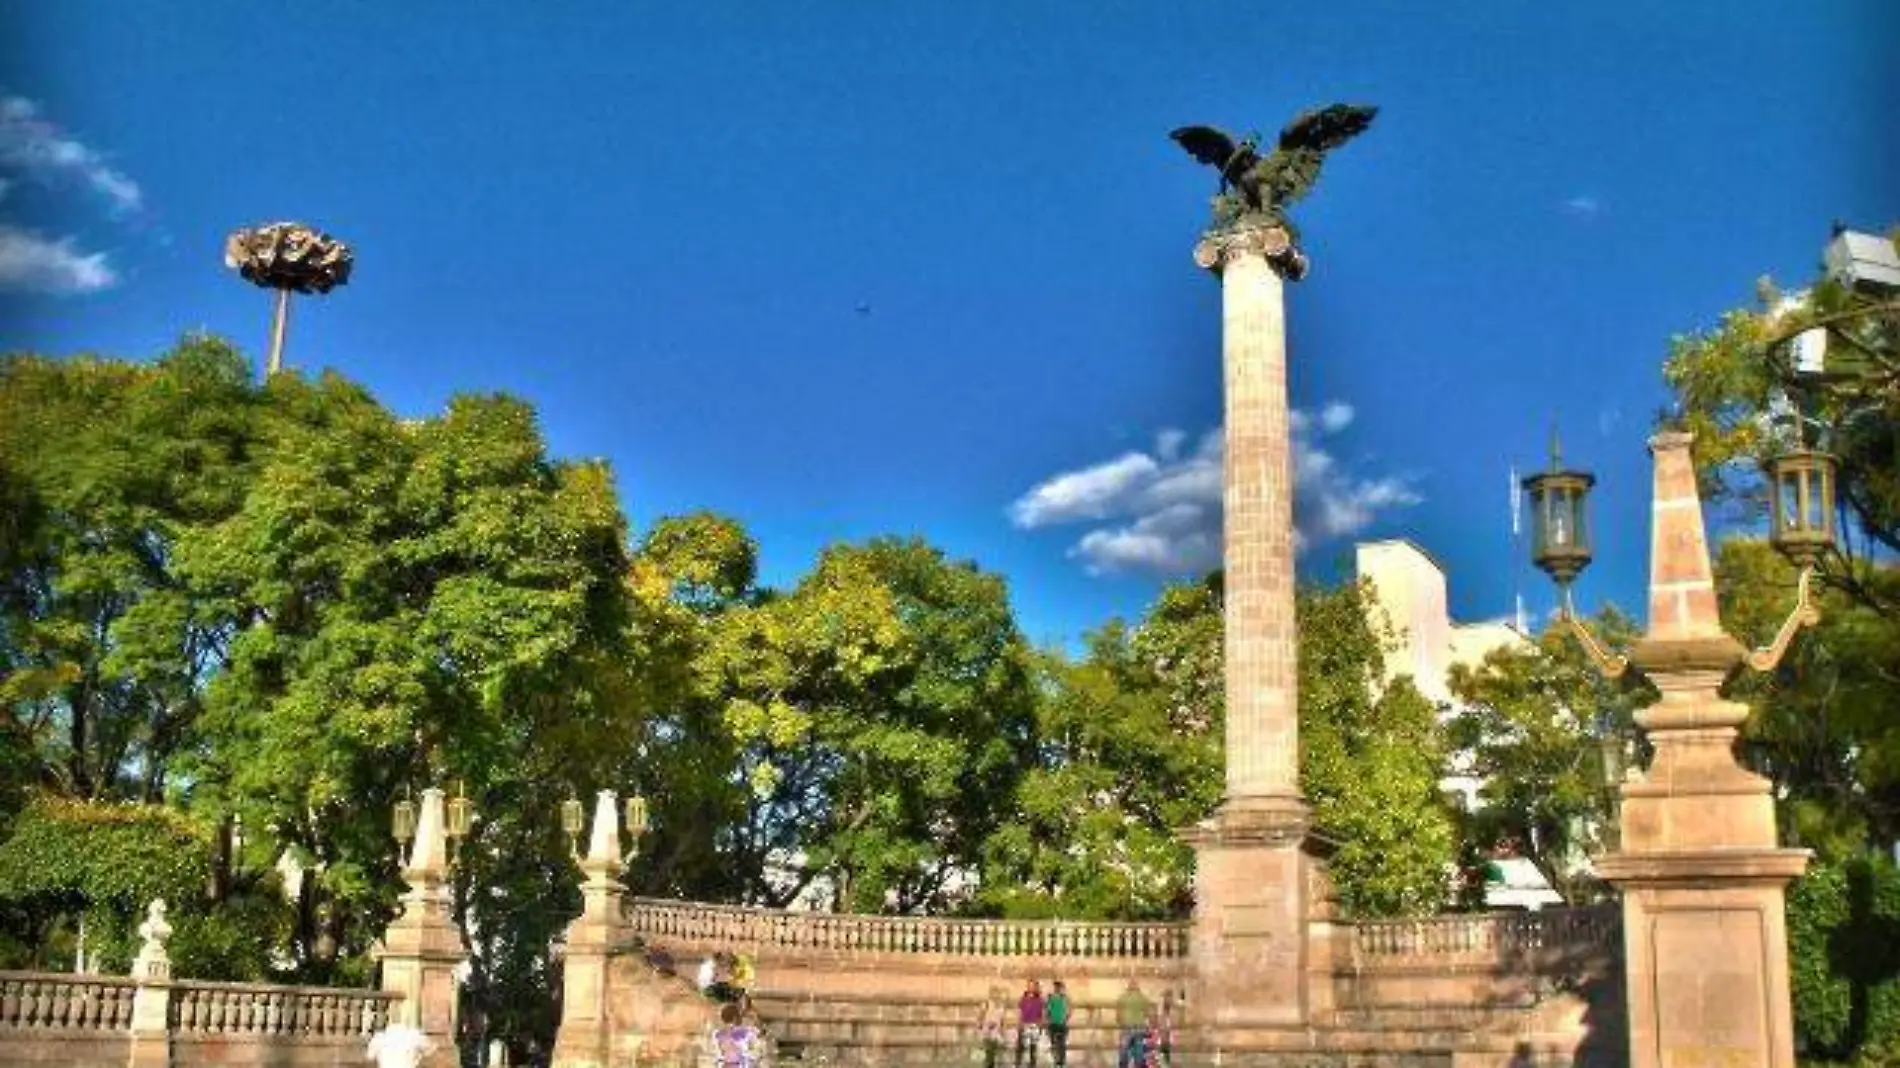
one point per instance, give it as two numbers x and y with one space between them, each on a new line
1486 937
691 924
247 1008
34 1000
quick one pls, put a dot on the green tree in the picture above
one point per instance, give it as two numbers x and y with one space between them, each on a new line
1128 753
1533 722
108 467
1371 754
1823 730
880 711
1743 395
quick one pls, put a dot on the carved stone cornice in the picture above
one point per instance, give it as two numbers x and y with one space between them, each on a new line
1274 244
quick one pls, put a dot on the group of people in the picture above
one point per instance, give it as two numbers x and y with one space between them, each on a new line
1146 1031
739 1039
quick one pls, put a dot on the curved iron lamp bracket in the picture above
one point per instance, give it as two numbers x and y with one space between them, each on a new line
1610 664
1806 614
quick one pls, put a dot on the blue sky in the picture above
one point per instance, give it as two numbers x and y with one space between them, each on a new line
849 269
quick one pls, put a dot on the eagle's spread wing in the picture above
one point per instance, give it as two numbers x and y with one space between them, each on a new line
1206 144
1326 128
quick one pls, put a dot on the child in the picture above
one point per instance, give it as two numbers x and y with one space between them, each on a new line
989 1030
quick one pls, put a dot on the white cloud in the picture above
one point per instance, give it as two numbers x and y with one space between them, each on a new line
1091 493
31 263
1583 205
1168 443
35 147
1162 512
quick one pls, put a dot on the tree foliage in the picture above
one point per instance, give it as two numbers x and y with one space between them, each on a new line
1128 752
1822 728
1533 722
1371 756
1844 960
1742 393
877 710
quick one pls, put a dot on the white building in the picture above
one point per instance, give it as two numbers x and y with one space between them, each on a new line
1410 588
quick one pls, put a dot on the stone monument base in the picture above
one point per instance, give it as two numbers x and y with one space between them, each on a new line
1257 879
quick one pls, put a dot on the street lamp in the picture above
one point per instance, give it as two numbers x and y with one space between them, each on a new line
633 816
1695 841
287 257
403 821
1560 543
461 815
573 821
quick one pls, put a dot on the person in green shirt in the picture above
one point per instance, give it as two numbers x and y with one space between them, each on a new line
1058 1009
1131 1012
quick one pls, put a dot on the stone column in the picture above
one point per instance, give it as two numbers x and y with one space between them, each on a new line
422 948
1250 877
1702 877
151 1002
586 1038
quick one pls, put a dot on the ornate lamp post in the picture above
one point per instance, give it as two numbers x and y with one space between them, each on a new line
287 257
587 1036
1697 858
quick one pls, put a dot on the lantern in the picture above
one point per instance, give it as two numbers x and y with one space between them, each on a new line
1560 532
403 822
636 815
1610 747
573 818
461 813
1801 505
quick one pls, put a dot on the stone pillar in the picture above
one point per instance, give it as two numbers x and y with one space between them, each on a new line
586 1038
1250 876
151 1002
1702 877
422 948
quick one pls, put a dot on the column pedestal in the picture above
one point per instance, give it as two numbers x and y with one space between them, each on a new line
1251 907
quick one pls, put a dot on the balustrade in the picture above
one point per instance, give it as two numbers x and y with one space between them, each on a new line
740 927
49 999
242 1008
1486 936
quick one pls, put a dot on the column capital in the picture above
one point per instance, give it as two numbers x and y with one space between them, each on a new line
1274 244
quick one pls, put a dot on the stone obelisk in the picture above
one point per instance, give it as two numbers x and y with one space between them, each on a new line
1251 877
1698 863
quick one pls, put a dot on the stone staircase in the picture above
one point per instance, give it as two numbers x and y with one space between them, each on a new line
875 1031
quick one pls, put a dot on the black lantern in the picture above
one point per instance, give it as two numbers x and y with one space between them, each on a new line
1801 505
1560 532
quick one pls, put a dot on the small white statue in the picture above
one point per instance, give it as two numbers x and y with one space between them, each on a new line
399 1046
153 962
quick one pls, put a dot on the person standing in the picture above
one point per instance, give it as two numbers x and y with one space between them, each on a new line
1164 1027
1131 1013
989 1028
1029 1017
1058 1010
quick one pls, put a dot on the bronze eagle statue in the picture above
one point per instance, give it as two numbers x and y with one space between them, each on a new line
1254 184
